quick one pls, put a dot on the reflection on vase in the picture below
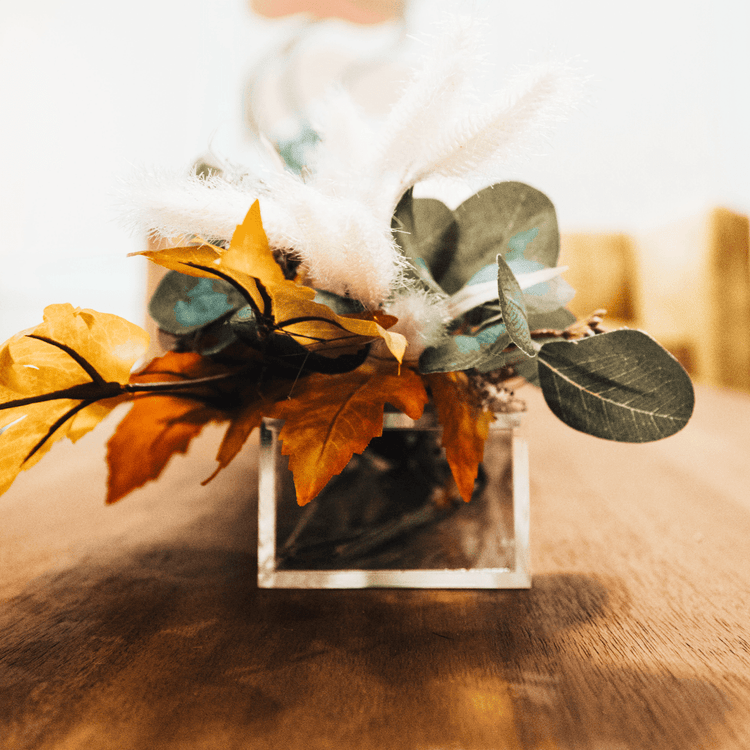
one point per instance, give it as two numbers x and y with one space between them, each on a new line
394 517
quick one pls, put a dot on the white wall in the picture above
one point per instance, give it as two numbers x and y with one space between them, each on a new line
89 88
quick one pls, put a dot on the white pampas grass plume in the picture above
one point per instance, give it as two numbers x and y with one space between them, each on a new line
440 127
172 205
336 219
480 142
422 319
345 247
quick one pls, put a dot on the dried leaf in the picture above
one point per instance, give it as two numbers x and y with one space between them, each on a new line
330 418
249 252
153 430
206 261
160 425
177 366
60 379
319 327
250 266
465 426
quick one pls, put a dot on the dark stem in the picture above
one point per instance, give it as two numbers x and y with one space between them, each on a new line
73 354
165 386
59 423
84 391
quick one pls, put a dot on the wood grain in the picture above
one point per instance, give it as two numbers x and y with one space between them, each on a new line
140 625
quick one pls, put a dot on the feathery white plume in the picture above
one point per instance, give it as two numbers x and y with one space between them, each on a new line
336 219
422 318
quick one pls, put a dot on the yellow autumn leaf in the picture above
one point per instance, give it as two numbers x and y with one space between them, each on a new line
249 264
465 426
317 327
247 261
249 252
206 261
60 379
329 418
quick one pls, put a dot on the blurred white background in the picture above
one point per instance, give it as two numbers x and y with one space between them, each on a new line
90 90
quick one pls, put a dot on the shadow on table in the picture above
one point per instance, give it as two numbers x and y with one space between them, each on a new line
177 648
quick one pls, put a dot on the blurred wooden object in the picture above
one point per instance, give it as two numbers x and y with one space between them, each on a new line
356 11
154 274
601 268
687 284
694 294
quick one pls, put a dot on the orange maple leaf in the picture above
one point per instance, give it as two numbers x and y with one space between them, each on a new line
159 425
162 424
155 428
465 426
329 418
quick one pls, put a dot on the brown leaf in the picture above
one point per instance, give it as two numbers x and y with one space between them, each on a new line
247 419
177 366
331 417
159 426
155 428
465 426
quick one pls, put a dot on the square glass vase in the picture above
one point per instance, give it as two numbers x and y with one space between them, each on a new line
393 517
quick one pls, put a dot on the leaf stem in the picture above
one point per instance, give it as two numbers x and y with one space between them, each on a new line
59 423
90 370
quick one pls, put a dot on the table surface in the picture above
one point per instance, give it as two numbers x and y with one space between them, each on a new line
141 626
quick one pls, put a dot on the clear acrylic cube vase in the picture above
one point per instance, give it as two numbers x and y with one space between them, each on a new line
393 517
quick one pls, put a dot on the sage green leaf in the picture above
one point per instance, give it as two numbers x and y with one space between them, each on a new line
620 386
340 305
245 325
558 319
425 228
183 304
462 352
509 218
513 308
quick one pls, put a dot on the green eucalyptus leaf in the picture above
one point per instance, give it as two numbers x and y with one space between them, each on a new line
184 304
558 319
509 218
620 386
340 305
513 308
462 352
210 339
244 324
425 228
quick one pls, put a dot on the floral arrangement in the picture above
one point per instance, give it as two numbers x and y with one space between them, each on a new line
324 297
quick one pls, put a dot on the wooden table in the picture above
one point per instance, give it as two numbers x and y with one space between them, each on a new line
140 625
